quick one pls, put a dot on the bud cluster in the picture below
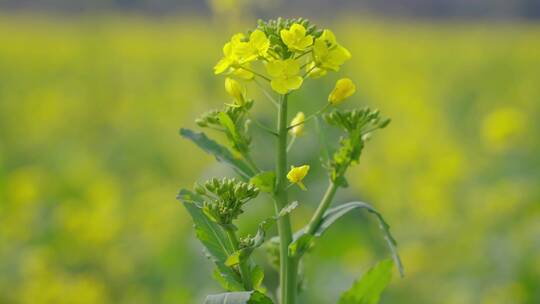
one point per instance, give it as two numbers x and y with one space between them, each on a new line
357 124
224 198
356 120
236 127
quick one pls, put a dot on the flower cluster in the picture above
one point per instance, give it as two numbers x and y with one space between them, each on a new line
224 198
284 47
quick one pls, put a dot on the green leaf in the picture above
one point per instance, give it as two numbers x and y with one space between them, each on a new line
244 253
221 153
300 245
369 288
207 231
227 278
333 214
213 238
265 181
246 297
257 276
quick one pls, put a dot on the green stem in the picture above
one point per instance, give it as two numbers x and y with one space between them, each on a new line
323 205
243 267
287 279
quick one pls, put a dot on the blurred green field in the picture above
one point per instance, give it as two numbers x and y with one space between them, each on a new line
91 160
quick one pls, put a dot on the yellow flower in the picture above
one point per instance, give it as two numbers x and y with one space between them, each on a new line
237 54
298 124
295 37
343 89
284 75
236 91
230 57
314 71
327 53
296 175
242 72
257 46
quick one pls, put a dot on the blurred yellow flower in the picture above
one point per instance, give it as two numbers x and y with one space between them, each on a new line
327 53
502 126
284 75
344 89
298 124
297 174
236 91
295 38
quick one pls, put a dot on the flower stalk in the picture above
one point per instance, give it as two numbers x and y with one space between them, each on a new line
287 264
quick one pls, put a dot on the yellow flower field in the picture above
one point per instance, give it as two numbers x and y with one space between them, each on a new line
91 159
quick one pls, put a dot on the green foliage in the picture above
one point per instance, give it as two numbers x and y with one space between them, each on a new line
213 238
368 289
221 153
248 297
233 121
265 181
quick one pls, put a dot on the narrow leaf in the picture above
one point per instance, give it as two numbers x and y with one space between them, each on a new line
333 214
368 289
221 153
246 297
229 125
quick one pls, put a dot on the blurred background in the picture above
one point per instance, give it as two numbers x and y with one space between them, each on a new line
92 94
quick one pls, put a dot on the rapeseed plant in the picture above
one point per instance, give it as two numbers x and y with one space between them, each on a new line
284 53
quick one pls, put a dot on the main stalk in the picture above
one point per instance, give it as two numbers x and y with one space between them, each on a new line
288 266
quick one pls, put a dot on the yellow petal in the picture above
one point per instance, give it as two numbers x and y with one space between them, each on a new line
298 30
291 67
221 66
295 37
344 88
275 68
297 174
328 36
244 74
294 83
279 85
259 42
